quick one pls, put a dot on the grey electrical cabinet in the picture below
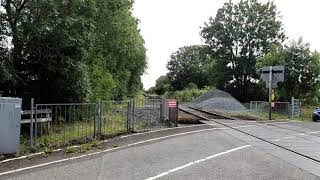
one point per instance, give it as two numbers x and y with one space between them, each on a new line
10 119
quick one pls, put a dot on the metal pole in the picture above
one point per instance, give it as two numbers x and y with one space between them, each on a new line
133 109
128 117
270 92
31 123
101 118
292 107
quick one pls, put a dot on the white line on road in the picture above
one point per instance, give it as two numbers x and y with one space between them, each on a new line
121 137
196 162
301 134
104 151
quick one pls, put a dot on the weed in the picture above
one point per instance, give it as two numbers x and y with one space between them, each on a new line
2 157
115 146
29 157
84 148
70 150
47 151
95 143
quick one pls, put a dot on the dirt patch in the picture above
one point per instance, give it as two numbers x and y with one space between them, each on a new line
185 118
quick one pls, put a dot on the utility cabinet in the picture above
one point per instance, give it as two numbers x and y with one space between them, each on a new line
10 118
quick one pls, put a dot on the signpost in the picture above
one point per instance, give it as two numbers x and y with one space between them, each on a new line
173 112
272 75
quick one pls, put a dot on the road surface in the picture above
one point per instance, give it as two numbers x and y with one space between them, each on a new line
210 151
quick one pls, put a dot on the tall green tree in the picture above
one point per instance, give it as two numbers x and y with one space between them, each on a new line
239 35
189 65
118 48
162 85
70 51
302 70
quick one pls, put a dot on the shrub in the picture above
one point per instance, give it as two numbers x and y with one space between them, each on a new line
188 94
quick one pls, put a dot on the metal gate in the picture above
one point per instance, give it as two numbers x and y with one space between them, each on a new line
295 107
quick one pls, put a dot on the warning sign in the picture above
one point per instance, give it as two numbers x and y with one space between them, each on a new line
172 103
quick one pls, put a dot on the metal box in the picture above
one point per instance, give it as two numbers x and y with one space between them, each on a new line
10 117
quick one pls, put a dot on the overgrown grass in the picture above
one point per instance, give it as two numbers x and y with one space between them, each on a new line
77 132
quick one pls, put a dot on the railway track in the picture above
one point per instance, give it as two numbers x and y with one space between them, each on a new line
213 116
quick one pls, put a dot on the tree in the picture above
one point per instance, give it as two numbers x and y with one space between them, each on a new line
189 65
237 36
70 51
118 48
162 85
302 70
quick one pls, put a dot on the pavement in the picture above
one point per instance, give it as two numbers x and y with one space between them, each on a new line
248 150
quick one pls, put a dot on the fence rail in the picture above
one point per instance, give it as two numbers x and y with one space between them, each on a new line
286 108
58 125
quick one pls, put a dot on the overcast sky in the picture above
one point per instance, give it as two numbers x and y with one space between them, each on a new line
167 25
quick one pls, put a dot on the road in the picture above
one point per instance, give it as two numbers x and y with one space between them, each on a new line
210 152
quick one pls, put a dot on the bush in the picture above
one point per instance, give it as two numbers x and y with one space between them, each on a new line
188 94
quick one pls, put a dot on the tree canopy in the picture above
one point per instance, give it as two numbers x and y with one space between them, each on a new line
189 65
68 51
302 70
237 36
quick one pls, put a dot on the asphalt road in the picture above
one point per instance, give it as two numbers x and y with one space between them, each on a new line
215 152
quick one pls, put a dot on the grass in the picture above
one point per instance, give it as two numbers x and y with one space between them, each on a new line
306 113
71 150
77 132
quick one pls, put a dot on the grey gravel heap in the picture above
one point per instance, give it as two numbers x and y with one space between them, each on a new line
220 100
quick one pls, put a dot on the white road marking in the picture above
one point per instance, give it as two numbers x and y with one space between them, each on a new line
301 134
196 162
121 137
237 123
315 132
104 151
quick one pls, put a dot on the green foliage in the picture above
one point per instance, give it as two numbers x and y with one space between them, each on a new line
96 143
237 36
84 148
189 65
188 94
302 71
70 51
162 86
47 151
71 150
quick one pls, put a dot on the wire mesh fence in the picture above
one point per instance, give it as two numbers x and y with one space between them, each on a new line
262 108
146 114
59 125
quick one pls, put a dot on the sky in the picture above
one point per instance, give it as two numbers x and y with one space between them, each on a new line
167 25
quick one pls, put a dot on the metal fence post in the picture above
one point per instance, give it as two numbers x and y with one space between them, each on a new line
292 107
128 117
133 111
101 118
35 124
177 115
161 111
31 123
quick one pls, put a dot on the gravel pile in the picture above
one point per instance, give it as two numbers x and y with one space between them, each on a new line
148 118
147 114
219 100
